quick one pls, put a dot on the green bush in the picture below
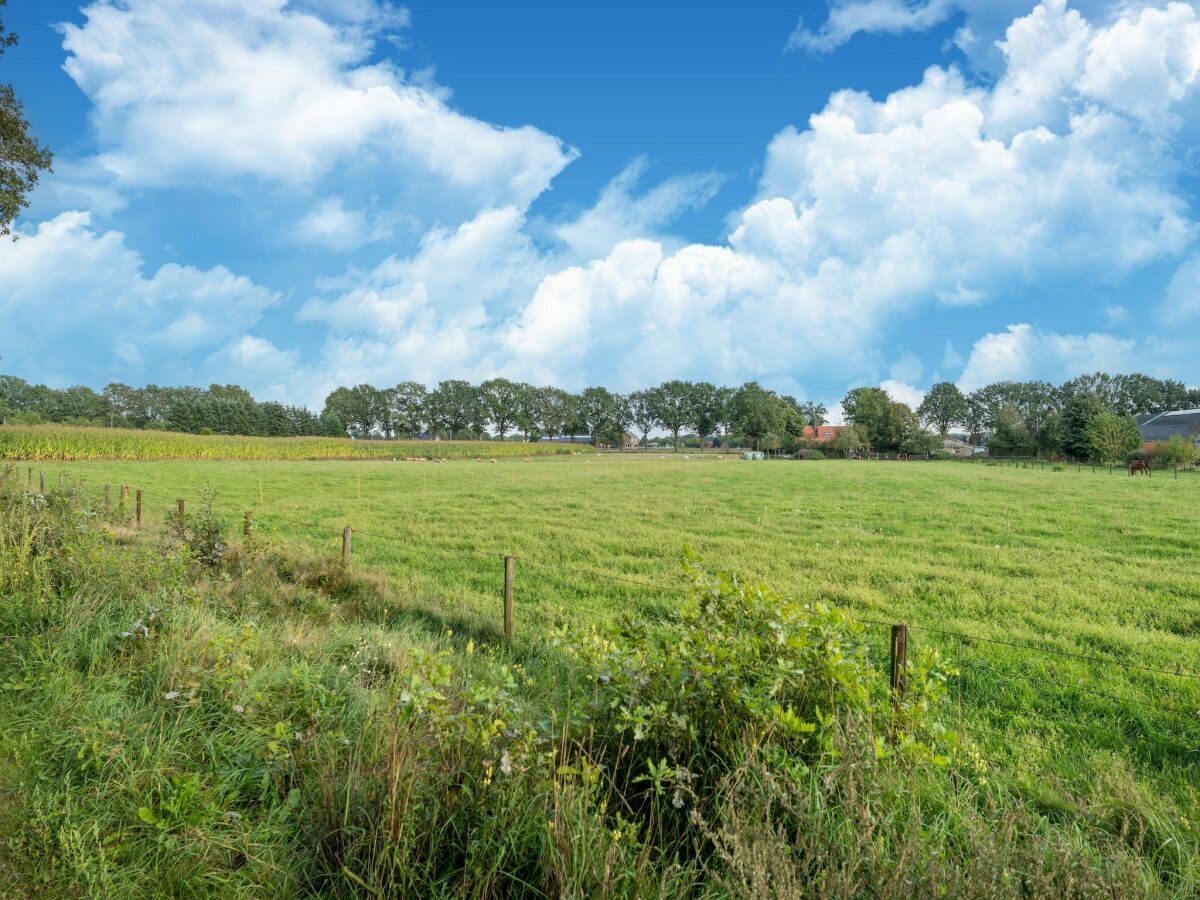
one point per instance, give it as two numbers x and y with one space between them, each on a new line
201 532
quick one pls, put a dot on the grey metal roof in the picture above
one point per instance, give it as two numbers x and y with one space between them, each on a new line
1160 426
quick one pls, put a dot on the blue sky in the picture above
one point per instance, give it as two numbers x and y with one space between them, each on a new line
295 195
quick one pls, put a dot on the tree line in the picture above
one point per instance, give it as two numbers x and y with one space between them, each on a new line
497 408
1012 417
1089 417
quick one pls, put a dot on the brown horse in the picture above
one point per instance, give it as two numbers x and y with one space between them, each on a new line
1139 465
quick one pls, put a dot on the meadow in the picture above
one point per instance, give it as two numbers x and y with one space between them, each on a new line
1064 604
1077 561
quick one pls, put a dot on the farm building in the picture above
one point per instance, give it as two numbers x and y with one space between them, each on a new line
1158 428
824 433
955 447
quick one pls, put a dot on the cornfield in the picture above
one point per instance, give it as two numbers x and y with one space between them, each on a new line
66 443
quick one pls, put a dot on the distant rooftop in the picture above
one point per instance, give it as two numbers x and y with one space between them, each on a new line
1159 427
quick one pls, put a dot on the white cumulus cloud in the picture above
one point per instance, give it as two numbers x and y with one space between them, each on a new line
75 303
211 90
1022 352
947 192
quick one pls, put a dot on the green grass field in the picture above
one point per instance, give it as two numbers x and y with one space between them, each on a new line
1065 604
1094 564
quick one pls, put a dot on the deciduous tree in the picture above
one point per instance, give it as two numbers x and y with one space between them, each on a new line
703 409
757 413
22 159
642 415
943 406
502 399
1113 437
670 401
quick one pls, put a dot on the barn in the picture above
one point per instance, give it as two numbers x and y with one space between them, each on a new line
1158 428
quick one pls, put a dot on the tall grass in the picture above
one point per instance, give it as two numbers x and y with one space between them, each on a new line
254 726
57 442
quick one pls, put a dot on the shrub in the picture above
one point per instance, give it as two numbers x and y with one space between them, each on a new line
201 532
671 708
1178 452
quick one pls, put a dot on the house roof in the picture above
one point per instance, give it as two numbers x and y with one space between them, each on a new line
1160 426
809 431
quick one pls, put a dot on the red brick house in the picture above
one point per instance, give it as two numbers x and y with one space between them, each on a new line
823 434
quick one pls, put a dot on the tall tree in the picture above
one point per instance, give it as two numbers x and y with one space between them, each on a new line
794 422
758 413
670 401
407 401
575 421
356 408
1113 437
501 398
869 409
551 408
642 415
725 398
1077 418
22 159
814 414
452 406
477 415
526 410
1050 436
888 424
703 408
606 413
943 406
1009 436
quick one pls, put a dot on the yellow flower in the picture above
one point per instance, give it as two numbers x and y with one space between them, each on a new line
470 647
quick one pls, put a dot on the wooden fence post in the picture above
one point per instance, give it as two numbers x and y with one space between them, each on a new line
60 480
509 567
29 478
899 659
42 483
246 524
124 504
139 509
899 673
108 498
182 506
347 533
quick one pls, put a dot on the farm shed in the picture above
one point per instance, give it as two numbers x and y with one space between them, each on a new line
955 447
1158 428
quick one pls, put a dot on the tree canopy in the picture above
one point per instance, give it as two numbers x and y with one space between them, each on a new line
22 158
